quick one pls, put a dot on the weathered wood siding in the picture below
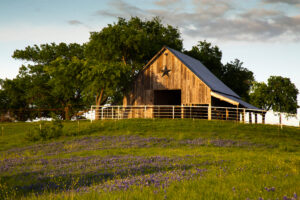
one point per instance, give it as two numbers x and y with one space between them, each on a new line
193 90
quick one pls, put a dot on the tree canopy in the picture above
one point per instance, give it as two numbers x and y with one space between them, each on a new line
54 76
238 78
133 42
279 94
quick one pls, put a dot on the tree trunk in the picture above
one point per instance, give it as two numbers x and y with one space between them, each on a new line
98 103
280 120
67 116
263 117
124 61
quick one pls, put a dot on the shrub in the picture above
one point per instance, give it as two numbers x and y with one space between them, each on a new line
46 131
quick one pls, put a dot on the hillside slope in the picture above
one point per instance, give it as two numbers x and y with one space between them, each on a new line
151 159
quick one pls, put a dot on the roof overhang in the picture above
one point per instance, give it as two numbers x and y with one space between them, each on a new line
235 101
223 98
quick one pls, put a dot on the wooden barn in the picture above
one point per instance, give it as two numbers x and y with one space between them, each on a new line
173 78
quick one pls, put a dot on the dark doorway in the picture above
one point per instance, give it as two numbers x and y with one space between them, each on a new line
167 97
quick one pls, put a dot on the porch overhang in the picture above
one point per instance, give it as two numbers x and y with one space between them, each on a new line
235 101
223 98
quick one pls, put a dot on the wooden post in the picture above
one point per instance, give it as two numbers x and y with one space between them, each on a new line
158 112
255 115
227 114
118 112
91 114
244 115
263 117
78 127
101 112
173 114
182 111
209 112
112 112
237 113
250 118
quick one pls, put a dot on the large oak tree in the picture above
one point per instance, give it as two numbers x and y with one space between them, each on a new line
54 75
133 41
279 94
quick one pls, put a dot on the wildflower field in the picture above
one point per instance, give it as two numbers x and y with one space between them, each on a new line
151 159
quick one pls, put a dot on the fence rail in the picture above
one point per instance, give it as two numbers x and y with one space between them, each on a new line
178 112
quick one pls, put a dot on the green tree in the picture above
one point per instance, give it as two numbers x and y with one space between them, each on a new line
15 97
280 95
105 80
258 95
54 74
238 78
210 56
46 53
4 100
66 83
133 42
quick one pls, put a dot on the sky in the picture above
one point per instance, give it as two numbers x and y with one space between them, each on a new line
263 34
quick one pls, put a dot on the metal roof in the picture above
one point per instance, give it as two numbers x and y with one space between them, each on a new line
203 73
209 78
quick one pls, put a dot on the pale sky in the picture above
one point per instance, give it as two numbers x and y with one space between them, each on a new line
264 34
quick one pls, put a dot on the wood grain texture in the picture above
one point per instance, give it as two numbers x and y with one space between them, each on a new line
193 90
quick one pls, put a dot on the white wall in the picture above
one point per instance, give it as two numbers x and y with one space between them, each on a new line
273 118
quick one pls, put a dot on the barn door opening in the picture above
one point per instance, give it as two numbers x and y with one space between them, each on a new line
167 97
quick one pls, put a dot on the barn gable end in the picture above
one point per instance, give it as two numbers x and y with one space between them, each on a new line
180 78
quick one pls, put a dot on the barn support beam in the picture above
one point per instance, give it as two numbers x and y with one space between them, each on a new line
250 118
227 114
173 112
263 117
237 113
182 111
209 112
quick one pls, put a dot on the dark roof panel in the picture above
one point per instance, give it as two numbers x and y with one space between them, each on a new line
204 74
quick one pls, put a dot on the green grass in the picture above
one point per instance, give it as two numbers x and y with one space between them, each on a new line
240 161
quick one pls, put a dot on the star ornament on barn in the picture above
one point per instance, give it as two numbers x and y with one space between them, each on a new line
165 71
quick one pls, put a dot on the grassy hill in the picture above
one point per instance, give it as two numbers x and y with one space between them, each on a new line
151 159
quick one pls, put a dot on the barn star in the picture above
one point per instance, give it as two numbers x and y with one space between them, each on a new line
165 71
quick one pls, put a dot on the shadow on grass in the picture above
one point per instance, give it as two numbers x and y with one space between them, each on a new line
27 183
